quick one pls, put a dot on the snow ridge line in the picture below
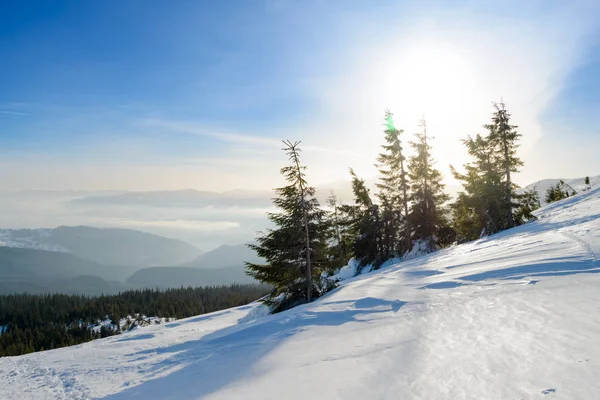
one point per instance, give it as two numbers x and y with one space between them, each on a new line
585 245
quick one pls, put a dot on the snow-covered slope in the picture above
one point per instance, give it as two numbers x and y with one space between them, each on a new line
578 184
32 239
513 316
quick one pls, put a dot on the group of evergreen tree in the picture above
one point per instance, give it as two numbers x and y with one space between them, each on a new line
490 202
410 208
308 240
31 323
409 212
560 190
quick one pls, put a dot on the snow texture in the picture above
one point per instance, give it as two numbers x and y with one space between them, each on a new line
511 316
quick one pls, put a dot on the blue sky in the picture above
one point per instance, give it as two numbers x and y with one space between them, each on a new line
164 95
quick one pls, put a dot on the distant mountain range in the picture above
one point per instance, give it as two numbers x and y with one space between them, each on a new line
93 261
222 265
224 257
42 271
168 277
109 246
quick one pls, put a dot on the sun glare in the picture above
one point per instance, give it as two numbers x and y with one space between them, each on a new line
437 82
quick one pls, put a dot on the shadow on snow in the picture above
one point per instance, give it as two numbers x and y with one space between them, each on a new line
200 367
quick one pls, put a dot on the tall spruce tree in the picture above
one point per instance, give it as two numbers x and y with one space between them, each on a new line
393 188
295 250
366 223
479 209
505 137
339 240
487 203
427 195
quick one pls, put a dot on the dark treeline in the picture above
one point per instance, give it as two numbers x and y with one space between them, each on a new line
31 323
409 214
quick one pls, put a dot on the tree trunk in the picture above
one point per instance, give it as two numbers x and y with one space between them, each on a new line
509 215
428 223
337 232
405 200
306 232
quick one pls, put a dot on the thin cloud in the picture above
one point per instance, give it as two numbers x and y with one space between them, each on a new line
15 113
232 137
191 128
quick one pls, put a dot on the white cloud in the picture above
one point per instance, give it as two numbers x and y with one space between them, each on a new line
178 224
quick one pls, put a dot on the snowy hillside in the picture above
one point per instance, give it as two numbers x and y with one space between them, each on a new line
513 316
32 239
578 184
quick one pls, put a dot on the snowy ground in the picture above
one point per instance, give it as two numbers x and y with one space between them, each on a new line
514 316
577 183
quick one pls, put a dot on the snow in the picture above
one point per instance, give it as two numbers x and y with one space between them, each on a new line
257 310
131 322
16 238
578 184
512 316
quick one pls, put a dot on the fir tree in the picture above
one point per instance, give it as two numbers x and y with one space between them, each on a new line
393 187
295 250
486 205
480 209
339 237
504 136
366 223
426 193
529 201
588 186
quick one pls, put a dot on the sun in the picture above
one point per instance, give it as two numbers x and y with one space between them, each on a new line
437 82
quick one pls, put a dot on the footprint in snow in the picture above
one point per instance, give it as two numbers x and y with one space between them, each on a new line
548 391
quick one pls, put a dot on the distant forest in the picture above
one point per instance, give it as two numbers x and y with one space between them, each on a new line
31 323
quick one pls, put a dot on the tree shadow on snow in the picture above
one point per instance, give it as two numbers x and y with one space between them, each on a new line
552 268
442 285
135 338
423 273
200 367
